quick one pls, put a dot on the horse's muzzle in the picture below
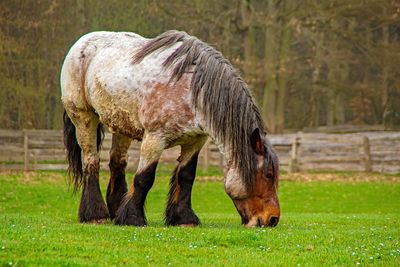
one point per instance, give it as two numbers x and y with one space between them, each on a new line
260 222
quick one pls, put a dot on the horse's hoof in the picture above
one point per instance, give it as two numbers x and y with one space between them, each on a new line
130 223
130 220
98 221
187 225
99 218
186 218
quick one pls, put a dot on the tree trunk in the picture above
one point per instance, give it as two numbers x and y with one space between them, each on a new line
270 69
246 28
278 42
284 58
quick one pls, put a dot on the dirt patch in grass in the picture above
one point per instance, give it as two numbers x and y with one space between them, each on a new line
323 176
342 177
32 177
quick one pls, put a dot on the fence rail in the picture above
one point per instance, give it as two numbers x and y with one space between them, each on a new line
368 151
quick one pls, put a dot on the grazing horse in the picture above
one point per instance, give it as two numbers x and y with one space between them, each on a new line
167 91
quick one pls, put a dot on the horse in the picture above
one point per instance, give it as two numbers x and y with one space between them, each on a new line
171 90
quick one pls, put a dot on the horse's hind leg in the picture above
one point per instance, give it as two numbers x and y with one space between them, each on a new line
179 208
92 207
117 188
131 211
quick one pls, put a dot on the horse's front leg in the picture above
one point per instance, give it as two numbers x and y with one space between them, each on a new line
117 187
179 207
131 211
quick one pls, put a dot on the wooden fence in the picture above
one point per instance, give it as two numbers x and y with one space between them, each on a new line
368 151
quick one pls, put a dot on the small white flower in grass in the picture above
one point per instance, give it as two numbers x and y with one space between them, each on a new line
353 254
357 263
371 258
192 246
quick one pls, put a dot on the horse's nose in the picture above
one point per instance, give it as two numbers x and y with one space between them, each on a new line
273 221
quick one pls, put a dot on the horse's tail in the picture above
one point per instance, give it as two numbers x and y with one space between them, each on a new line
75 171
74 152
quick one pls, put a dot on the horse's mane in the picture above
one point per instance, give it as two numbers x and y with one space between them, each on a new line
218 92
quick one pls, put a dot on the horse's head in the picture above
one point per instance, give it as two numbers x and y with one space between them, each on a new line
257 203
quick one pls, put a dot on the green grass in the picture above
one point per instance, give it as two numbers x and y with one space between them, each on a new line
322 223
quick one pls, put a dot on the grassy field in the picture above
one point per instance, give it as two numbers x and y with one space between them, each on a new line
322 223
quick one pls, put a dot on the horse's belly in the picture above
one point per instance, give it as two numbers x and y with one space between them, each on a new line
122 121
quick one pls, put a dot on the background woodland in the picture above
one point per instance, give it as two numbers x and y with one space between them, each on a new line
309 63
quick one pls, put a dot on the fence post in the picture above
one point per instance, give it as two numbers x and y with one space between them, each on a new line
221 163
206 162
26 152
293 164
367 155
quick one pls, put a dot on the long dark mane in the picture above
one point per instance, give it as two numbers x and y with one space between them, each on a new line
218 92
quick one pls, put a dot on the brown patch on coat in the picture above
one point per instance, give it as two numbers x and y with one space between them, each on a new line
118 121
167 106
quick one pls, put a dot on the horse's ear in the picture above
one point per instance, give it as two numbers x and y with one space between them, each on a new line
256 142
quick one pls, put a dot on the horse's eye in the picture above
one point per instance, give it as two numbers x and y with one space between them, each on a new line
269 172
